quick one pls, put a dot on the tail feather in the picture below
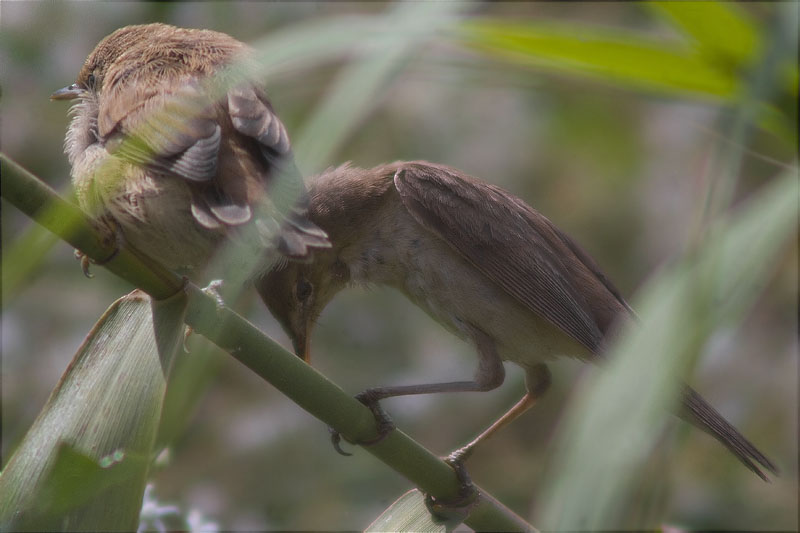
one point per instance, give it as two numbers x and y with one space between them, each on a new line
701 414
299 236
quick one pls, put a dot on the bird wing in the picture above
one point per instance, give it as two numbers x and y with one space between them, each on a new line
252 116
508 241
168 125
174 128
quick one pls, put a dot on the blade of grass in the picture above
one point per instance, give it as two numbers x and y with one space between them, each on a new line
602 443
383 52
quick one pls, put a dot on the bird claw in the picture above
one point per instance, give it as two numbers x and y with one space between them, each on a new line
85 263
383 421
456 510
336 440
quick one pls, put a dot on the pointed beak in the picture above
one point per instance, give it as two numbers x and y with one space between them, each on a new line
300 344
67 93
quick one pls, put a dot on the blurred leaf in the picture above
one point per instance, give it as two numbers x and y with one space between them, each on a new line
620 56
383 51
602 444
84 462
778 124
722 30
745 244
22 257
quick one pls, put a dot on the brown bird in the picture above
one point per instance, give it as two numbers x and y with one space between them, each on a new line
482 263
176 161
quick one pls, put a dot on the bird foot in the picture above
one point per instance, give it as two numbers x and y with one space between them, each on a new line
458 457
454 511
111 235
87 262
382 419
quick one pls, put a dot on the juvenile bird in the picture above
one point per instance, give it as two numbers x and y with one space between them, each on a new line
482 263
169 152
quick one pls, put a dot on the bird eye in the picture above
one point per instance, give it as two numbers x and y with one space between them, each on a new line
303 290
90 80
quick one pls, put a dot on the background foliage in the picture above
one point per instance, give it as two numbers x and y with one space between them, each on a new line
622 168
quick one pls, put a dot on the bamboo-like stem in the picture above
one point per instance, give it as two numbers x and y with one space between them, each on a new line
300 382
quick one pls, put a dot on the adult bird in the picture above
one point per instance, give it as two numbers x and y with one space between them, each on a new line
175 152
483 264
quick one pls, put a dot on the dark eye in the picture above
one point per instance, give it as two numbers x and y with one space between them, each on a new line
303 290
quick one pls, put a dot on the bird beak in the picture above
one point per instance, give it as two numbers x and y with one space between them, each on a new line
300 344
67 93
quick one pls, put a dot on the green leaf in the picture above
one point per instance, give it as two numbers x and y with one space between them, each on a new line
619 56
723 31
83 464
76 478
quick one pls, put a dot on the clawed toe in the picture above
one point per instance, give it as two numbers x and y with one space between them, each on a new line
336 440
383 421
455 510
85 263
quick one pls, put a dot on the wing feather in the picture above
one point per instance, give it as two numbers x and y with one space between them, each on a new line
234 153
509 242
174 131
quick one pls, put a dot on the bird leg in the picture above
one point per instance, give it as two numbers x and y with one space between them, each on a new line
372 397
454 511
488 376
537 381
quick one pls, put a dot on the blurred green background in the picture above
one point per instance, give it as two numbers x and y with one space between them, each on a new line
623 171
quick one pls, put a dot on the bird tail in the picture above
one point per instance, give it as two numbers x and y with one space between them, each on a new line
702 415
299 236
